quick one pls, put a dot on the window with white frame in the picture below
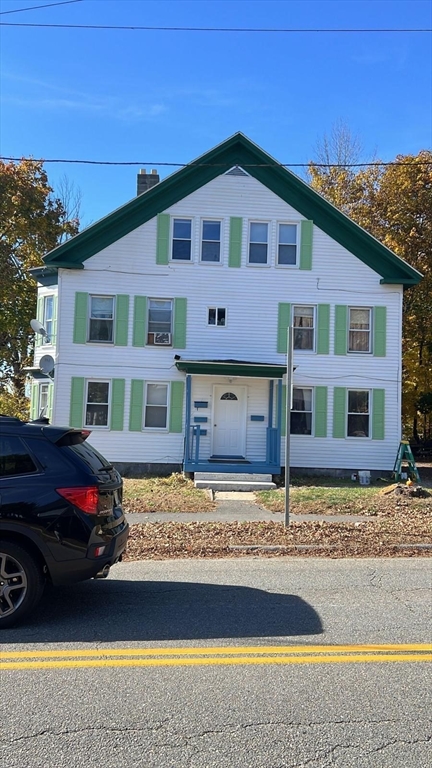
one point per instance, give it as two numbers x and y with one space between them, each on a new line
160 315
358 413
97 403
287 245
156 406
304 327
43 399
101 321
359 337
301 412
48 318
182 240
211 241
258 242
217 316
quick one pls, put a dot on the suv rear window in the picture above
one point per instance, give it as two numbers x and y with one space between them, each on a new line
89 455
15 458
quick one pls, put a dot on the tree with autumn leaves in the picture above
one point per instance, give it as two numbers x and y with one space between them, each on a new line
394 203
33 221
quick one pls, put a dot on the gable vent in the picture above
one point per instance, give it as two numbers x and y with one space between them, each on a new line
236 171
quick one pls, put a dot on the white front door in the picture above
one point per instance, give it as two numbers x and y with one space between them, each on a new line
229 420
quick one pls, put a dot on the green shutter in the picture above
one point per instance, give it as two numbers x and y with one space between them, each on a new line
139 336
235 242
283 408
117 404
306 243
323 331
34 401
176 406
163 232
379 324
136 405
339 412
50 401
180 313
54 321
80 321
284 319
76 401
341 325
320 412
40 317
121 320
378 414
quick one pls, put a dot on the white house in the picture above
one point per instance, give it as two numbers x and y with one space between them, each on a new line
167 322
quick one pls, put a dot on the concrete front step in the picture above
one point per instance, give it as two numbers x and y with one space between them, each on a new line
226 481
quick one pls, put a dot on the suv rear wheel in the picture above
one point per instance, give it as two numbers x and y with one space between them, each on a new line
21 583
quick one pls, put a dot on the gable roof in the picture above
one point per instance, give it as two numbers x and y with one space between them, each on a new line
235 151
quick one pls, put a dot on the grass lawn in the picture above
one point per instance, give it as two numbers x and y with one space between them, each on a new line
318 496
164 494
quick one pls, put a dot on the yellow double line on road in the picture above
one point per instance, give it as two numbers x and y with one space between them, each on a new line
210 656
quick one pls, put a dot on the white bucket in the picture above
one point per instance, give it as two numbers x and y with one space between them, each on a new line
364 477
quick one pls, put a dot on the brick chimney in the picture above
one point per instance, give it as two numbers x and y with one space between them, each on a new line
146 180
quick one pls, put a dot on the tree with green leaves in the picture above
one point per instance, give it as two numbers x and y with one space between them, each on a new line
33 221
394 203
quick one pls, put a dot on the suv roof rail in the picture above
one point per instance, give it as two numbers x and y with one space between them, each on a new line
11 419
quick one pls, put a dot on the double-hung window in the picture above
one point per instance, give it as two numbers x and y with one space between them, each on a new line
301 412
358 413
258 242
211 241
287 245
304 327
182 240
160 312
359 336
101 325
43 399
156 406
48 319
97 403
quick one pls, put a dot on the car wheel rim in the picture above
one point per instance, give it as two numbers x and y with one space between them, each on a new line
13 584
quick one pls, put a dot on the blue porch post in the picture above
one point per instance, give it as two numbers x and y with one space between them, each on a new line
279 422
188 416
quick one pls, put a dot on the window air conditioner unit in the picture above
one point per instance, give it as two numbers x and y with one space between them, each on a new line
162 339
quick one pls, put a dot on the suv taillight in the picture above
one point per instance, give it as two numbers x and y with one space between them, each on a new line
86 498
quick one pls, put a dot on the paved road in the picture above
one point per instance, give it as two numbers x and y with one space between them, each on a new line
265 682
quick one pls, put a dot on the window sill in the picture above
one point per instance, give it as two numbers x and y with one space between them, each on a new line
287 266
259 266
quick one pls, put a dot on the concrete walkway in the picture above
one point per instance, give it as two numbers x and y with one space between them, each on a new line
230 508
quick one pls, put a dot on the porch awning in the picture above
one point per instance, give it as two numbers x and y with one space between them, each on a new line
232 368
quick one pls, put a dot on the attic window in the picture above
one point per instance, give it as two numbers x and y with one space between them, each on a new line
236 171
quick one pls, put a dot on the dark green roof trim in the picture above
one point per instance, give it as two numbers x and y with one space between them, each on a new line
237 150
232 368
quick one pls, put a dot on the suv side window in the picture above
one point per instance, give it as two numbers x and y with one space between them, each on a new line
14 457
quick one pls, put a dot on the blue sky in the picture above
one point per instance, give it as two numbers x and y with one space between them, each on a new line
152 96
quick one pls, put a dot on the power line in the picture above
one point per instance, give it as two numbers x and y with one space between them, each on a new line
206 29
35 7
222 165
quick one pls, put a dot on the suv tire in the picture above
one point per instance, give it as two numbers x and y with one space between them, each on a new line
21 583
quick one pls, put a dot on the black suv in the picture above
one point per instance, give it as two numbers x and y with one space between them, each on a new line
61 515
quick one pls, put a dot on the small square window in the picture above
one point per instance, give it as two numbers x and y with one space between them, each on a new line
101 325
301 412
304 331
156 409
182 240
359 330
358 413
211 241
287 244
217 316
258 242
97 403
